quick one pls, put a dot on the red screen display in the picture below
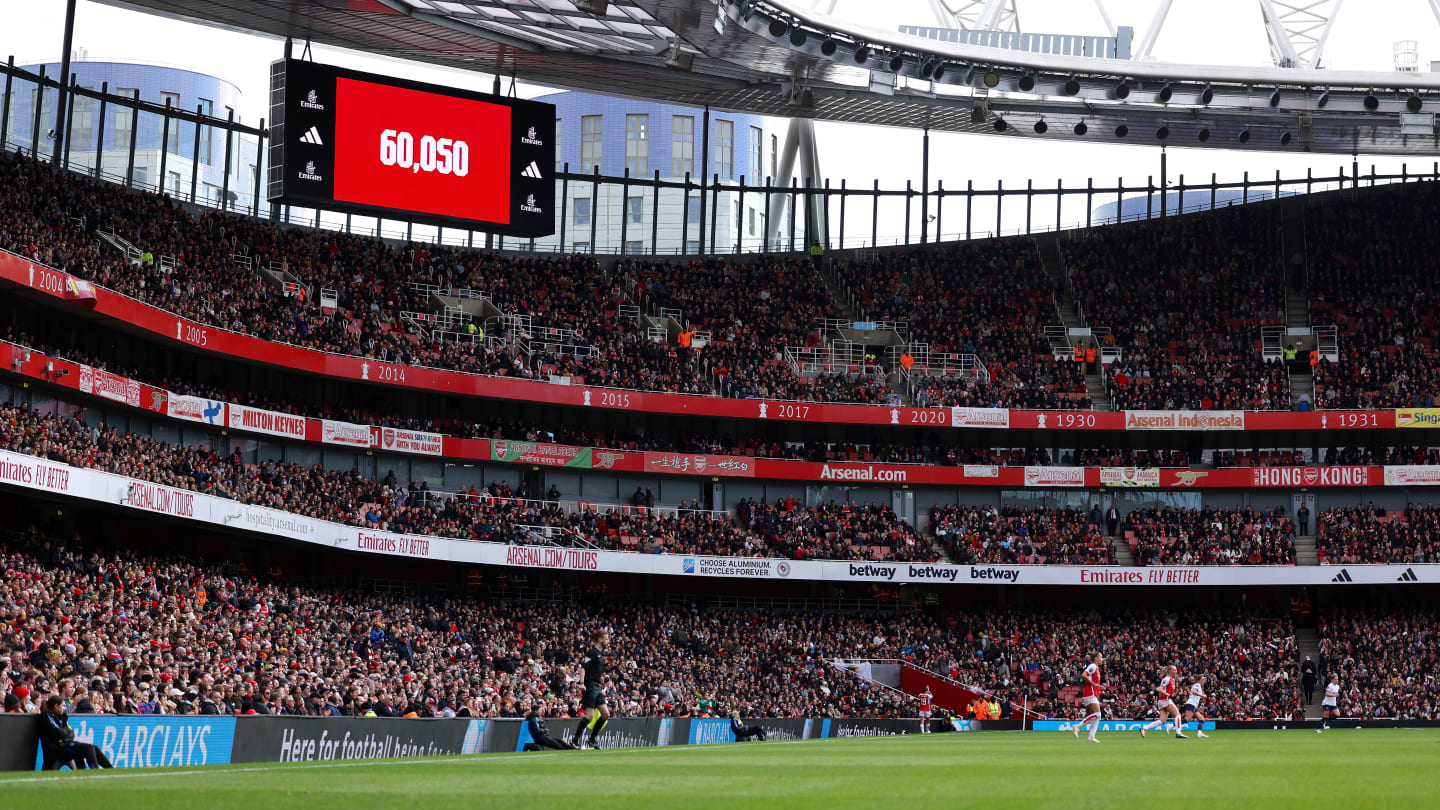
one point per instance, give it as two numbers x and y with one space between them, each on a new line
417 151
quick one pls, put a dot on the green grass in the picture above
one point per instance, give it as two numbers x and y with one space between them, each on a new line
1238 769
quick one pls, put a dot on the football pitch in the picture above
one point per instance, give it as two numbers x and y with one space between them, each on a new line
1291 769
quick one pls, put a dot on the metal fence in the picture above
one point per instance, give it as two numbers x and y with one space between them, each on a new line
955 216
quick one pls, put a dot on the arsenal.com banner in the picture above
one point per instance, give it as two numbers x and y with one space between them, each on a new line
346 433
1054 476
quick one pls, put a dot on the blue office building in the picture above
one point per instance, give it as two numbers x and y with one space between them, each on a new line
616 135
190 163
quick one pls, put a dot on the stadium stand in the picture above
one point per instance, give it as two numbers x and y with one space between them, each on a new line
1184 299
1372 534
1210 536
1369 276
1035 536
116 631
1386 661
990 300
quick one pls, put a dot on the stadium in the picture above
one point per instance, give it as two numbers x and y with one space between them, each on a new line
634 403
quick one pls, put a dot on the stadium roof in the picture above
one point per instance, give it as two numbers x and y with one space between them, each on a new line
766 57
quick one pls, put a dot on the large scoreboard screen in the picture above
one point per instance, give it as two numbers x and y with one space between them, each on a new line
350 141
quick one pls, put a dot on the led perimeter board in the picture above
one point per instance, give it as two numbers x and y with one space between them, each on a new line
348 141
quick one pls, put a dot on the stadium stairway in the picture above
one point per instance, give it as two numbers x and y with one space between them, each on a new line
1307 643
1305 553
1123 555
1052 261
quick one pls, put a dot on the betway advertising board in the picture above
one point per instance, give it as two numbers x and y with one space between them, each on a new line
107 489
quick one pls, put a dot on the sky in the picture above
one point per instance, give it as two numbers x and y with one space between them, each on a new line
1227 32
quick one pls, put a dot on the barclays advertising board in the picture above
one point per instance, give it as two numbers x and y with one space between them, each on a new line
155 742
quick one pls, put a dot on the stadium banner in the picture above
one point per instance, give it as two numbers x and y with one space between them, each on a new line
330 739
402 440
1068 420
1412 476
1313 476
152 741
699 464
1129 476
1054 476
109 386
980 471
346 433
19 740
979 417
115 307
545 455
859 727
195 409
706 731
1105 725
1417 417
259 420
111 490
1184 420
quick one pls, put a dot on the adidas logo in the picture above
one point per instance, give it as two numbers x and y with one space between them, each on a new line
312 136
1343 576
532 171
1408 576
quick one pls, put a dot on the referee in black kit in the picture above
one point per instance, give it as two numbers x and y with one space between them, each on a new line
592 702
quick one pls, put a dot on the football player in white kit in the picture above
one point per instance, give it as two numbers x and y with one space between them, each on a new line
1192 708
1330 706
1090 697
1165 703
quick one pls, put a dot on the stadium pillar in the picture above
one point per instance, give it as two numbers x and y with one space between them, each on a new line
164 139
909 192
655 216
704 173
925 189
1089 199
134 133
225 179
35 117
62 105
260 156
1029 198
195 155
5 104
99 130
969 202
624 209
875 216
939 209
999 206
843 195
1164 186
1059 200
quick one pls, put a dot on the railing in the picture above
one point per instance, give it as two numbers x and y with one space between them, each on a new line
1327 342
842 205
839 357
1272 343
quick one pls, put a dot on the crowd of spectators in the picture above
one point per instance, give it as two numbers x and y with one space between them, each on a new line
989 299
1209 536
1014 535
1367 275
1372 534
114 631
752 310
834 531
498 513
1388 662
1249 658
1184 300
